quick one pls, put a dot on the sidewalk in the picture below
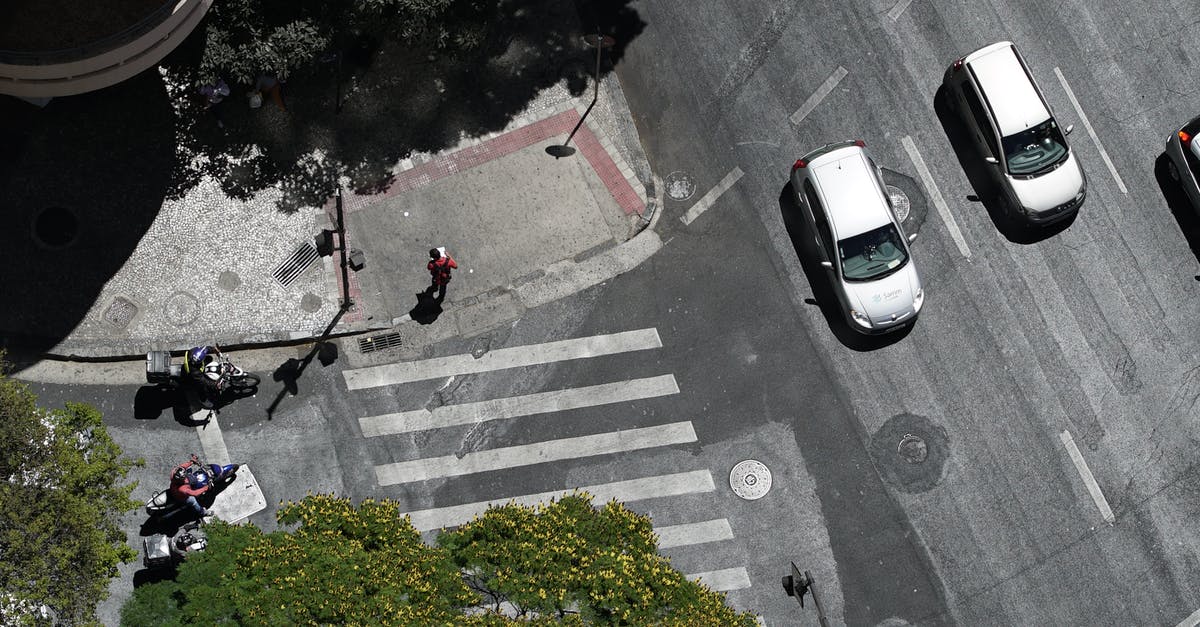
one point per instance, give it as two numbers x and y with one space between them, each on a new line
524 227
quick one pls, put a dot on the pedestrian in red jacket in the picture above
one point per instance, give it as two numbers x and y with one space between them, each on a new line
440 264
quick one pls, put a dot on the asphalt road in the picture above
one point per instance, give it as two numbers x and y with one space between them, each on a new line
1023 337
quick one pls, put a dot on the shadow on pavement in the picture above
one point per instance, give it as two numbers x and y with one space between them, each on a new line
821 281
1177 201
289 372
978 173
427 310
81 181
151 401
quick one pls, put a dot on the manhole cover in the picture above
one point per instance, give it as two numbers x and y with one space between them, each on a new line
680 185
912 449
750 479
55 227
229 281
899 202
120 312
182 308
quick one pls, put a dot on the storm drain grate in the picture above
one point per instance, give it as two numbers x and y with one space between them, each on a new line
295 265
379 342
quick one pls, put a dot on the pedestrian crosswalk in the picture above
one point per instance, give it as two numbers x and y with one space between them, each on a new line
562 404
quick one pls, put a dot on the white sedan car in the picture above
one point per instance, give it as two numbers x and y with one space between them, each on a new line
841 194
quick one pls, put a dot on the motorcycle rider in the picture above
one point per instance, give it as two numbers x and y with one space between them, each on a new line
188 481
206 364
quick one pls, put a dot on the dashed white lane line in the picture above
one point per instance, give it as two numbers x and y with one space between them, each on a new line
1190 621
517 406
658 486
693 533
1091 131
512 357
936 195
724 580
895 12
711 197
1089 481
822 92
536 453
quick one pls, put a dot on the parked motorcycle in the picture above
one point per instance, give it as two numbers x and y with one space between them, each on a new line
160 551
216 476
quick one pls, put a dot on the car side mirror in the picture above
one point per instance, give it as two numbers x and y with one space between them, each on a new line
827 264
912 237
1070 127
990 160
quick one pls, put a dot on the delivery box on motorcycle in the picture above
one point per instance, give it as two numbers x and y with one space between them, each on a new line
157 549
158 367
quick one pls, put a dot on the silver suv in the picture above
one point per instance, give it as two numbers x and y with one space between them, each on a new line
1184 150
1012 126
845 205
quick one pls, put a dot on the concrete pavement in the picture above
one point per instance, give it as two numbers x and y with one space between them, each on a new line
526 228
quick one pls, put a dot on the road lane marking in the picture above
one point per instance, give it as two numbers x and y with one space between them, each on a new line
724 580
708 199
659 486
936 195
1190 621
693 533
516 406
536 453
822 92
1093 488
1091 131
894 12
500 359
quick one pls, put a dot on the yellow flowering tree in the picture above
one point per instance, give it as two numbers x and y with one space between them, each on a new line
570 560
562 562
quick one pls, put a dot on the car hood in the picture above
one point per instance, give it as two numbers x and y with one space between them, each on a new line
1045 192
892 294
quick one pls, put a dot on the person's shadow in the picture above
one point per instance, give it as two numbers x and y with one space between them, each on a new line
428 308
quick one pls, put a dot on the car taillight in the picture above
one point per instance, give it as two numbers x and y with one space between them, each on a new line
800 163
957 65
1185 137
860 143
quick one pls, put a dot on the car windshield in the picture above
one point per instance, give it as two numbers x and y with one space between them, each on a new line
1035 149
873 254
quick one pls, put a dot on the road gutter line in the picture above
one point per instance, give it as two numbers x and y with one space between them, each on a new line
1089 480
708 199
822 92
939 202
1091 131
894 12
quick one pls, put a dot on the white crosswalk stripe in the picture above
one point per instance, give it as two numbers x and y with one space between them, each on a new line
693 533
630 490
536 453
513 407
500 359
724 580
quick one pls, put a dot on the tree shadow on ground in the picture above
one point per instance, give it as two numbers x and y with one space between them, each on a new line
987 191
821 281
363 108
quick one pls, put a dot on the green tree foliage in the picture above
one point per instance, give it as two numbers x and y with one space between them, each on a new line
247 37
569 558
61 499
565 562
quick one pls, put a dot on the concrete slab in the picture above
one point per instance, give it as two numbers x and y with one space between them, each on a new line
240 499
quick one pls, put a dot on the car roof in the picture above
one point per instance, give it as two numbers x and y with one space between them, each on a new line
850 191
1010 92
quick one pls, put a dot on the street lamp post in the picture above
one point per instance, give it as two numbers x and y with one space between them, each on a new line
599 42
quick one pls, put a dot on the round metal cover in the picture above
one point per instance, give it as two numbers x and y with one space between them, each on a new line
680 185
55 227
750 479
182 308
899 202
912 448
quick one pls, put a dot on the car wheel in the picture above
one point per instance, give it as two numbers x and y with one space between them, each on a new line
1172 171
